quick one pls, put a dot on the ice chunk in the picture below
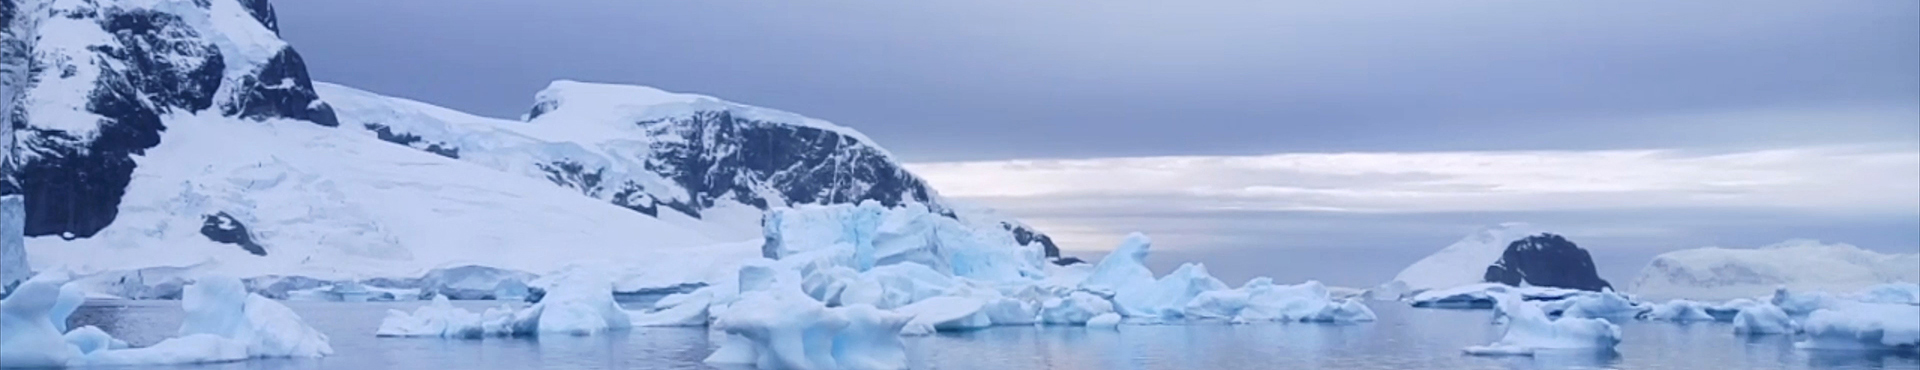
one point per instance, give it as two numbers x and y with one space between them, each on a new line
871 339
1105 320
1601 305
1348 310
1801 303
1260 300
1075 309
27 335
687 309
190 349
71 297
1679 310
436 319
1167 298
1010 311
946 313
1125 266
1530 330
1725 311
782 328
576 304
1763 318
1869 326
90 339
1479 296
477 283
875 235
221 306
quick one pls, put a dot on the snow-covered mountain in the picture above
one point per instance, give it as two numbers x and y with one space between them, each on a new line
1461 263
1510 253
1546 260
698 161
186 133
1715 273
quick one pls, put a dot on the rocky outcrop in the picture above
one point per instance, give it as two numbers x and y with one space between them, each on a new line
94 103
1546 260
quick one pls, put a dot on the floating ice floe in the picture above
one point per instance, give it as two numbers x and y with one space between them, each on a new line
581 305
1259 300
1529 330
1480 296
783 328
1763 319
223 323
1075 309
1601 305
1863 326
1679 310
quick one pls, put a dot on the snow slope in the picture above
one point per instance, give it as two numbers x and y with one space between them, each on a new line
1462 263
334 206
1716 273
693 160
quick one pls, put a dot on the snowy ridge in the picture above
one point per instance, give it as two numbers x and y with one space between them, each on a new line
1715 273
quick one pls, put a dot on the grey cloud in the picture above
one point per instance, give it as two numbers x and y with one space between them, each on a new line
962 80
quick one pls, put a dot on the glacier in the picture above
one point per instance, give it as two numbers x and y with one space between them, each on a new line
1716 273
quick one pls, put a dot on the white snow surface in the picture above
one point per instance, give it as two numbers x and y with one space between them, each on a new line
340 207
1529 330
1715 273
1462 263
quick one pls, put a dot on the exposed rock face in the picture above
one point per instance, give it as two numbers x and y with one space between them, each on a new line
1547 260
222 228
93 98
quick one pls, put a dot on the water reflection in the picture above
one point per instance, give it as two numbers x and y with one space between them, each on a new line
1404 338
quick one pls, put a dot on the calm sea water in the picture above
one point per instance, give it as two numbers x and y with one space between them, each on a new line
1404 338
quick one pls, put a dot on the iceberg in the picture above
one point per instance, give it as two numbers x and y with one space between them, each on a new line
28 337
1075 309
1863 326
1480 295
685 309
1715 273
223 323
1529 330
1167 298
577 304
1601 305
1125 266
1679 310
477 283
783 328
1105 320
949 313
1726 311
1260 300
1763 319
1801 303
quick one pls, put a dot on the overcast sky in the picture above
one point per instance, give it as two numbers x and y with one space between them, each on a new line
1219 127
